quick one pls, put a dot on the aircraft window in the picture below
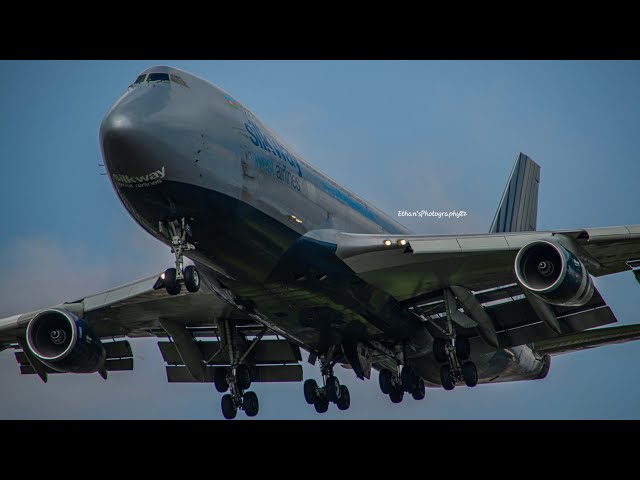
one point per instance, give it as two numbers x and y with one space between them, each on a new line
140 79
158 77
178 80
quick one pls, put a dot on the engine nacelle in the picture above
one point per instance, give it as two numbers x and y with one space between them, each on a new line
64 342
553 274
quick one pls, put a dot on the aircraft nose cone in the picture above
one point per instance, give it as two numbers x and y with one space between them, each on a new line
131 134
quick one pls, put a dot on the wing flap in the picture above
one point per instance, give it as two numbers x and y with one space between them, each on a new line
516 322
588 339
263 374
265 352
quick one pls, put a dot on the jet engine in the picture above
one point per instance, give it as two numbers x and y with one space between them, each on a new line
64 342
553 274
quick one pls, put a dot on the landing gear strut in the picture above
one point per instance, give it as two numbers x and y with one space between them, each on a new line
331 391
236 379
177 231
454 351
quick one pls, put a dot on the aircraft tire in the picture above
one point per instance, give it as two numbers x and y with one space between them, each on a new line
321 405
243 377
170 282
396 395
333 389
220 379
250 404
310 391
470 374
420 391
229 410
446 377
344 402
409 379
192 279
439 351
386 381
463 348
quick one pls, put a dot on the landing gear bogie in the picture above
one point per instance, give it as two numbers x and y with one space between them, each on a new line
176 231
237 378
408 381
450 375
330 392
454 352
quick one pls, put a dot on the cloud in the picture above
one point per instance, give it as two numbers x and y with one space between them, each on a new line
40 271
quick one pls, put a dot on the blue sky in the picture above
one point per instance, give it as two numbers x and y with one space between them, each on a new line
404 135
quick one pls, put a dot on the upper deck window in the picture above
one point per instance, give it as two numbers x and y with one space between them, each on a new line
158 77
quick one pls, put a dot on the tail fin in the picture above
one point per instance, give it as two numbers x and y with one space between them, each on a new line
518 209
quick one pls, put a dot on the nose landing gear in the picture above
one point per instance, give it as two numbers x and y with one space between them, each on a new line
177 231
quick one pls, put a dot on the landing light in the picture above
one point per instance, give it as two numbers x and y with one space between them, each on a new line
162 276
387 243
402 242
296 219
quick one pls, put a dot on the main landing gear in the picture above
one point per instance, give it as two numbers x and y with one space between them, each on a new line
454 352
177 231
397 384
235 379
331 391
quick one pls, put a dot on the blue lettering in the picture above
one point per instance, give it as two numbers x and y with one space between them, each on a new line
264 141
252 134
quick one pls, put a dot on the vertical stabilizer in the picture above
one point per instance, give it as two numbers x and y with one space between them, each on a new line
518 209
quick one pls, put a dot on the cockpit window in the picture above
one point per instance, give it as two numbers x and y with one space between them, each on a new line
140 79
158 77
178 80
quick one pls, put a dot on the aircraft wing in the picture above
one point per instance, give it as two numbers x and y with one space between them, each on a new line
134 310
588 339
415 265
143 309
417 269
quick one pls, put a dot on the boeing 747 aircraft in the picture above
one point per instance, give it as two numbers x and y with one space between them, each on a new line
286 259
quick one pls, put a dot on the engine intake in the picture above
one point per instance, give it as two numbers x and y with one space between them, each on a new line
553 274
64 342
